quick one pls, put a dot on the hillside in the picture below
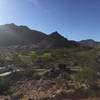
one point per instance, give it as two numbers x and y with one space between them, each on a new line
55 40
11 34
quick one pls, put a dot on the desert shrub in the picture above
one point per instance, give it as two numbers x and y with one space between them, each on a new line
88 59
46 57
26 59
16 58
87 76
58 54
4 86
29 72
17 76
22 59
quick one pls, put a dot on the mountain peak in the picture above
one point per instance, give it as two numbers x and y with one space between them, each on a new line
55 40
11 34
11 25
55 33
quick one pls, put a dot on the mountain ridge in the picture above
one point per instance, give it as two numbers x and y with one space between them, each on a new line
11 34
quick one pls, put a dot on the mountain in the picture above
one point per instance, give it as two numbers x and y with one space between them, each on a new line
56 40
11 34
89 42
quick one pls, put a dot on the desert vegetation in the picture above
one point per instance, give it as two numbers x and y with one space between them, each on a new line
49 74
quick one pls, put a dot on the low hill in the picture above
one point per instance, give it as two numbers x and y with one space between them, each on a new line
89 42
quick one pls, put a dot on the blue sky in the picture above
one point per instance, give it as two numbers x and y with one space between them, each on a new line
74 19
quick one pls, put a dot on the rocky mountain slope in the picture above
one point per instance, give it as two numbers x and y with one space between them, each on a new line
56 40
11 34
